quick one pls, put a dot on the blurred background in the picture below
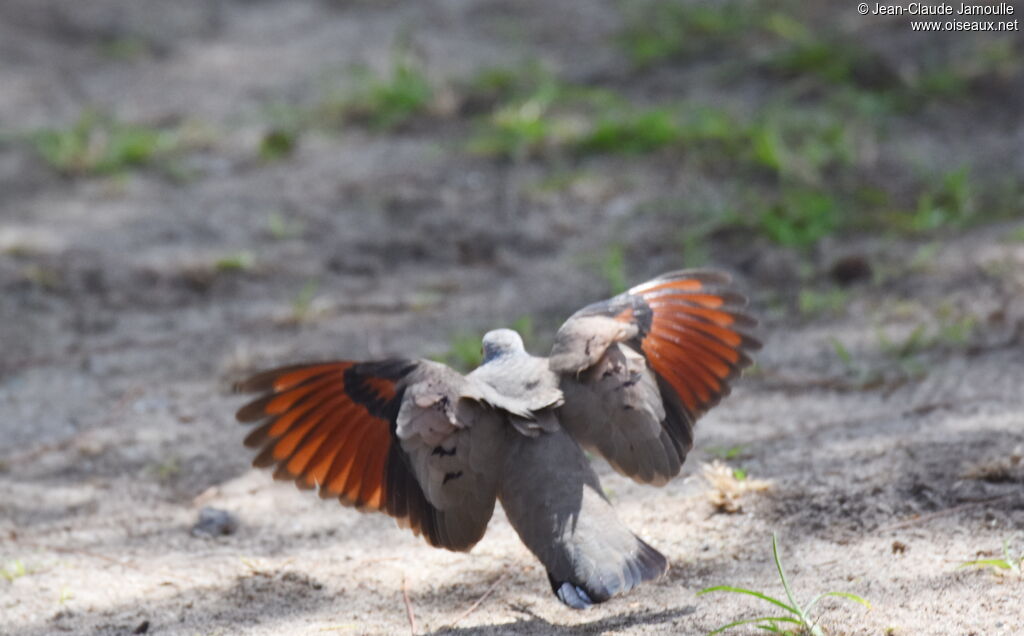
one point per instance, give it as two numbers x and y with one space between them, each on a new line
191 191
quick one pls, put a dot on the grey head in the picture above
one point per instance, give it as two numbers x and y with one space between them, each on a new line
500 343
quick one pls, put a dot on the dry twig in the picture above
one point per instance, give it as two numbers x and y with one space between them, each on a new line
943 512
476 604
408 606
75 551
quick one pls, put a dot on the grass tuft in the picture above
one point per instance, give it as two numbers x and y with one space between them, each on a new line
795 614
800 218
465 351
282 228
634 133
613 269
726 452
521 126
302 303
97 145
278 143
661 31
242 261
384 101
830 302
728 486
1008 564
14 570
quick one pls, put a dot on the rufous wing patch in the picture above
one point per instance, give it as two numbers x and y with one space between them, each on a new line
327 428
691 334
331 426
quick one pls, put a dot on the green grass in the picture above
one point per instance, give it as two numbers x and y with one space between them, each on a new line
125 48
917 341
166 470
302 303
842 353
954 329
697 232
383 101
465 348
812 51
465 351
774 36
806 159
815 57
44 277
662 31
948 202
635 133
14 570
285 125
1009 563
695 247
861 376
241 261
613 269
516 130
800 145
97 145
524 326
801 163
281 228
495 84
278 143
585 121
800 218
726 452
925 257
535 113
711 130
951 330
796 615
394 100
952 76
829 302
807 52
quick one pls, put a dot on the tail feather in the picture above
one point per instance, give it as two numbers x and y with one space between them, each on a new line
651 563
600 583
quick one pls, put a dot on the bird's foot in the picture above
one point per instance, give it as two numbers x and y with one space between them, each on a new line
573 596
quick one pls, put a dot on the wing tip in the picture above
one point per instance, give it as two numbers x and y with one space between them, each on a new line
653 564
252 411
704 276
260 382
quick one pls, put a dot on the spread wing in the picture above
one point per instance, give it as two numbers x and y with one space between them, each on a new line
640 368
413 439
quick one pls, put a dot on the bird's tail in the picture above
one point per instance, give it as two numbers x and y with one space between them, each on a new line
604 582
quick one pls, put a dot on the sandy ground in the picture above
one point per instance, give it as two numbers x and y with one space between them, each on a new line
120 345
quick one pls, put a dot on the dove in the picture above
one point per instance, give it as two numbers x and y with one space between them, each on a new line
626 379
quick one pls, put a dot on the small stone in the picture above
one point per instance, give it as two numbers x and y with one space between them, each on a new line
214 522
851 269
